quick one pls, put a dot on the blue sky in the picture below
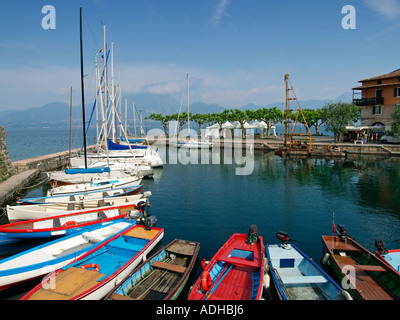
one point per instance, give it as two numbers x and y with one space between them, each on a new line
235 51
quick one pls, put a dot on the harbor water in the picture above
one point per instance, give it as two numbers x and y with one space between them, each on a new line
208 202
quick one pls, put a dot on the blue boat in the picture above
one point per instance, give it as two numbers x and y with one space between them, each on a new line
48 257
96 273
296 277
392 257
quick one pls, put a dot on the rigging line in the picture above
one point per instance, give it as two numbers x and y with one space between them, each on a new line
87 22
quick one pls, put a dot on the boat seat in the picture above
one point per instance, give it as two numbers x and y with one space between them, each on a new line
168 266
92 238
303 279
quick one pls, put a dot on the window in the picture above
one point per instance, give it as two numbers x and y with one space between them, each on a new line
377 110
397 92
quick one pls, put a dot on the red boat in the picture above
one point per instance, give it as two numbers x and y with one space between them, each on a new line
236 272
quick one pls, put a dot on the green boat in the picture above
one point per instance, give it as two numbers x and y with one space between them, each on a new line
161 277
362 274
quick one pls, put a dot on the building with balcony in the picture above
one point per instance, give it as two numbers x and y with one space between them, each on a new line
378 98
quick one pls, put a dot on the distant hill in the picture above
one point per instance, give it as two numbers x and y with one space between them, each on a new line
148 103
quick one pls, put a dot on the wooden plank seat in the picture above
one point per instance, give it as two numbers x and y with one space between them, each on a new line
168 266
369 268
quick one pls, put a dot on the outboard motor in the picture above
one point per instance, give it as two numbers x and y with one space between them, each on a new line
380 246
150 222
134 214
283 237
252 235
141 206
341 230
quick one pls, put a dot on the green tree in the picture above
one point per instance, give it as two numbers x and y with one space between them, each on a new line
164 120
338 115
313 118
200 119
239 116
270 116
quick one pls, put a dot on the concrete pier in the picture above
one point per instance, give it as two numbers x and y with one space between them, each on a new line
12 187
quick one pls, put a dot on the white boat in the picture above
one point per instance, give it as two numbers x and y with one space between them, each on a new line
130 166
97 184
83 196
49 257
191 143
85 175
139 156
296 277
38 211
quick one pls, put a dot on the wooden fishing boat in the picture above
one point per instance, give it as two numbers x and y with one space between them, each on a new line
392 257
43 259
161 277
112 260
366 277
83 196
38 211
236 271
296 277
97 184
66 224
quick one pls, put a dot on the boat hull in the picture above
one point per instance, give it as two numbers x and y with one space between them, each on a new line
114 259
361 273
66 224
148 281
47 258
31 212
296 277
236 272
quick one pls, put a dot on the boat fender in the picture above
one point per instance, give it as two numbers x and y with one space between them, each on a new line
70 224
266 281
343 295
325 259
205 280
95 266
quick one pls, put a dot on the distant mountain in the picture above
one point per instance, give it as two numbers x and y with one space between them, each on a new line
148 103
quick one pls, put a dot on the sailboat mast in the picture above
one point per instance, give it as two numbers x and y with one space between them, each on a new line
83 91
70 116
187 79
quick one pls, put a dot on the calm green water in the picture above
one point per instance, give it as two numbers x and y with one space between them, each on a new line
209 202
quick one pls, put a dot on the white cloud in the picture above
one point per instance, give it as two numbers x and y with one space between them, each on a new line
389 9
24 88
219 12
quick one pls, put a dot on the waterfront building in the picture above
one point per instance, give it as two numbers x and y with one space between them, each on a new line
380 96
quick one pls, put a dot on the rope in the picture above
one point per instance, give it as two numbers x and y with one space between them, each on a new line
251 239
33 186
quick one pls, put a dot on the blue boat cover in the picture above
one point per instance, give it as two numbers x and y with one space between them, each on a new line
88 170
115 146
